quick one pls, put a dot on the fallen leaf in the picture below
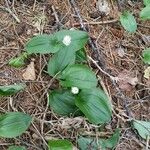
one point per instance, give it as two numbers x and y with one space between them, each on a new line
103 6
127 80
147 73
146 40
121 51
29 73
67 123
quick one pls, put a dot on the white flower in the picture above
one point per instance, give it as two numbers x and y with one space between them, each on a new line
72 29
74 90
67 40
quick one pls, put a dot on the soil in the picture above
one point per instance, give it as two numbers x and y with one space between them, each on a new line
121 56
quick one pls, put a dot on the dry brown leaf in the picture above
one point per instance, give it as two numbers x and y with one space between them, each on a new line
29 73
67 123
127 80
147 73
121 51
103 6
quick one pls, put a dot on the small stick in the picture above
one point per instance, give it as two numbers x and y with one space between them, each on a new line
147 143
96 23
55 14
104 72
40 134
91 43
114 80
10 11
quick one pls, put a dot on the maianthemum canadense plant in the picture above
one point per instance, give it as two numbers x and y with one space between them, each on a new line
77 95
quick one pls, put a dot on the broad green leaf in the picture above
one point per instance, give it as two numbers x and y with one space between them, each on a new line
86 143
60 60
63 102
145 13
60 145
146 2
81 56
128 22
18 61
52 43
78 76
16 148
95 105
146 56
7 90
43 44
112 141
143 128
13 124
78 38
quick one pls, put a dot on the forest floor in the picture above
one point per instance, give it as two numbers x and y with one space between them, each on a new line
121 56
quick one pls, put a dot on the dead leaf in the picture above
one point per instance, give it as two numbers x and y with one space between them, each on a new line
67 123
146 39
103 6
127 80
29 73
121 51
147 73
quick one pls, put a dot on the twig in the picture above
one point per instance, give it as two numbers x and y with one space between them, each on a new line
27 144
40 134
11 104
10 11
96 23
147 143
50 83
91 43
55 14
104 72
44 115
114 81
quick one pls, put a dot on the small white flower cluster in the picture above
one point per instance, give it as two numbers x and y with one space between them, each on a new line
67 40
74 90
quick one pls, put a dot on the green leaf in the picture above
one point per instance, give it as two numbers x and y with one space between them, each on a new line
95 105
52 43
112 141
86 143
16 148
145 13
60 60
43 44
63 102
78 76
60 145
78 38
128 22
81 56
8 90
146 2
143 128
18 61
13 124
146 56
